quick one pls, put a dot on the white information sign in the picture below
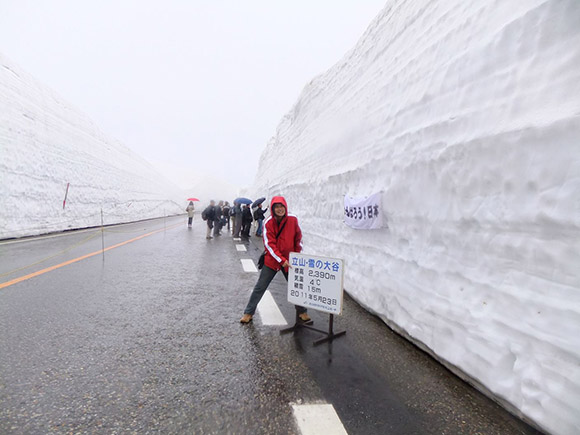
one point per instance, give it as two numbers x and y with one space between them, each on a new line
316 282
363 213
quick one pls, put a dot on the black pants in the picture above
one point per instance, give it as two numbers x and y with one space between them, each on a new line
189 221
246 229
266 277
217 227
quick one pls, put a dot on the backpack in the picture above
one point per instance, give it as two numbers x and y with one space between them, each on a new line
204 214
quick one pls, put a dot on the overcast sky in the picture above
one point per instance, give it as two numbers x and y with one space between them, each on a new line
190 85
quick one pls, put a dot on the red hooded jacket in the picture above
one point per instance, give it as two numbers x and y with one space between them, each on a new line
290 239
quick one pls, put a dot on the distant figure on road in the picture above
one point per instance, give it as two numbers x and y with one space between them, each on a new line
259 218
226 215
237 215
246 220
190 209
282 235
208 215
218 219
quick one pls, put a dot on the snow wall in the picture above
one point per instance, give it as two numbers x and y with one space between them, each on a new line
45 144
466 115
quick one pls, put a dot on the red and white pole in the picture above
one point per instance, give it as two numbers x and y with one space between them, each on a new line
65 195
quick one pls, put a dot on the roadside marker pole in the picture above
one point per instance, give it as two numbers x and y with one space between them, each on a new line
65 195
102 235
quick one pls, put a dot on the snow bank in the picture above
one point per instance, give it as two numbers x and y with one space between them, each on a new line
466 115
45 144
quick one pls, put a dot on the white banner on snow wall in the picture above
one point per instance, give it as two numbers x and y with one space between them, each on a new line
363 213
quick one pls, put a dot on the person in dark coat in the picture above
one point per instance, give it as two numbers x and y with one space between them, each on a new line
209 216
226 215
237 215
246 220
217 219
259 217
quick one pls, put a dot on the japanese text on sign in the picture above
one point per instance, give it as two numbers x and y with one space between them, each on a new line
315 282
363 213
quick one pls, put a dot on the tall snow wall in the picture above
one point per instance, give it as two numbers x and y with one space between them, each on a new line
46 144
466 116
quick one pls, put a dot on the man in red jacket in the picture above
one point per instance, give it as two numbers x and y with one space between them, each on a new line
282 235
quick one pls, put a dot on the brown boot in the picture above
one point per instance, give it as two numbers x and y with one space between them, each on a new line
304 317
246 318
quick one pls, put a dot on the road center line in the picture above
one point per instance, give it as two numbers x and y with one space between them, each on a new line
83 257
269 311
73 232
318 419
248 265
241 248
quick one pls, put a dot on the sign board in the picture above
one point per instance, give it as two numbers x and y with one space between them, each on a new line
316 282
363 213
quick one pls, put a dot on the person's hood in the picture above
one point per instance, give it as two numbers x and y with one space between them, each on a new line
278 200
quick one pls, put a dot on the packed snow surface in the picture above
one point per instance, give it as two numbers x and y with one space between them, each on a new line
46 144
465 114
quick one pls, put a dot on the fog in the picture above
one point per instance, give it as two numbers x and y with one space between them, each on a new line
195 87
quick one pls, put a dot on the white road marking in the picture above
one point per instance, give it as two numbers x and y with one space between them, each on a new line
248 265
269 312
241 248
237 239
318 419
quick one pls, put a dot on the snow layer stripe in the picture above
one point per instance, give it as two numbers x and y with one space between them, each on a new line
83 257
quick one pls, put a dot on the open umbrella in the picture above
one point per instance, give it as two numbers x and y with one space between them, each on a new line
259 201
243 201
192 199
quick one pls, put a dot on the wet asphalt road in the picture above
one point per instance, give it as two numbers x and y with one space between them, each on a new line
147 340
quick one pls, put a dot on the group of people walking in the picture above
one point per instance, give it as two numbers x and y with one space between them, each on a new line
238 218
281 234
216 217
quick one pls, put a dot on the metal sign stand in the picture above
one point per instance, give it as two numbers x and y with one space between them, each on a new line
330 334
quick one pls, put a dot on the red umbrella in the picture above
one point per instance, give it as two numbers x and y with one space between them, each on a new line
192 199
